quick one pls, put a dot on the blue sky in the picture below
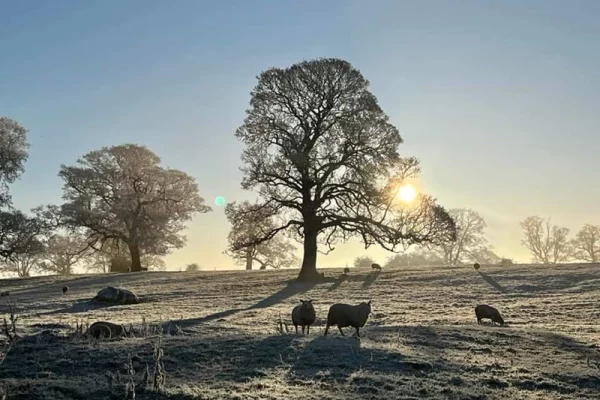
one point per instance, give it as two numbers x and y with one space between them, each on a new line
498 99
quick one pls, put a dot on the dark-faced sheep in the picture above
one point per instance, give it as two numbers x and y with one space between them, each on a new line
376 267
105 329
484 311
344 315
304 315
346 270
476 266
65 289
2 294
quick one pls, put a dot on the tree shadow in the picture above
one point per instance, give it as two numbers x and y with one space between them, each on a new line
492 282
341 279
370 279
293 288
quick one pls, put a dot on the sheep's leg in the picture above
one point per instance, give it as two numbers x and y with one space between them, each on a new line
303 329
326 329
341 331
296 326
357 332
478 321
307 330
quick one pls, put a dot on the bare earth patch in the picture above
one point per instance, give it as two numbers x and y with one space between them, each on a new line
222 340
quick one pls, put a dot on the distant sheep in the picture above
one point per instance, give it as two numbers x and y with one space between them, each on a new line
263 267
3 294
144 269
376 267
476 266
304 315
65 289
105 329
484 311
346 270
344 315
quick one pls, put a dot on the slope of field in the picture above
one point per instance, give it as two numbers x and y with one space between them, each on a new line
223 341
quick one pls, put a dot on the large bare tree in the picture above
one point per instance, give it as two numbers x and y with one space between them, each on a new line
548 244
122 193
248 221
324 157
470 243
586 244
24 262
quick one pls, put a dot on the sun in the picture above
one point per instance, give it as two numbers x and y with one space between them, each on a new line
407 193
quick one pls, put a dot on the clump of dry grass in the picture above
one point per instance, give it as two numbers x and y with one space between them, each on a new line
9 327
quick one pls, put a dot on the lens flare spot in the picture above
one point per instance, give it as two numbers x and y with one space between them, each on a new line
220 201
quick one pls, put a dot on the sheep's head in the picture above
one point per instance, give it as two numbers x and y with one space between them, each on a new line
500 320
366 307
307 304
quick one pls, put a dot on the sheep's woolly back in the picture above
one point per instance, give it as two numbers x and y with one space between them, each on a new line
485 311
106 329
348 315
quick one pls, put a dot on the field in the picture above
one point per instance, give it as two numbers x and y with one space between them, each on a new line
222 338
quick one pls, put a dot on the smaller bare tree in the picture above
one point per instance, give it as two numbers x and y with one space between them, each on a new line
470 243
548 244
248 222
363 262
193 267
23 263
586 245
63 253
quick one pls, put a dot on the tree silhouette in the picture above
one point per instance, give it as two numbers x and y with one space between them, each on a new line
363 262
122 193
18 231
586 244
248 222
548 244
63 253
325 161
470 243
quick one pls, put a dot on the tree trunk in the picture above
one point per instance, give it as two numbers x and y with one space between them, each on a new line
309 262
248 261
136 262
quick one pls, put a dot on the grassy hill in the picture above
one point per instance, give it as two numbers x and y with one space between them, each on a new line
223 340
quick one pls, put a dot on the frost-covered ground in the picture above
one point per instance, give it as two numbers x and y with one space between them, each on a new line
421 341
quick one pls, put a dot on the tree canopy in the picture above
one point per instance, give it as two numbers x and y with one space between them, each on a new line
324 158
122 193
548 244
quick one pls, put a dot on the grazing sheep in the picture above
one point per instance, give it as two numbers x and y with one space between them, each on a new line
105 329
376 267
65 289
144 269
346 270
263 267
484 311
476 266
304 315
344 315
4 294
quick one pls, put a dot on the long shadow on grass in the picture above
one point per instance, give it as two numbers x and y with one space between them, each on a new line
370 279
291 289
492 282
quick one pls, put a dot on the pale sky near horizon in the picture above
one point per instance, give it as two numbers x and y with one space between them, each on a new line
499 100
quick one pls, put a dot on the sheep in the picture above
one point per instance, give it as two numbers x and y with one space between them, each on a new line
344 315
2 294
105 329
476 266
65 289
484 311
346 270
376 267
304 315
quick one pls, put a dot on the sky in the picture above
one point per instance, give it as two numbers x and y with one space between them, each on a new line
499 100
